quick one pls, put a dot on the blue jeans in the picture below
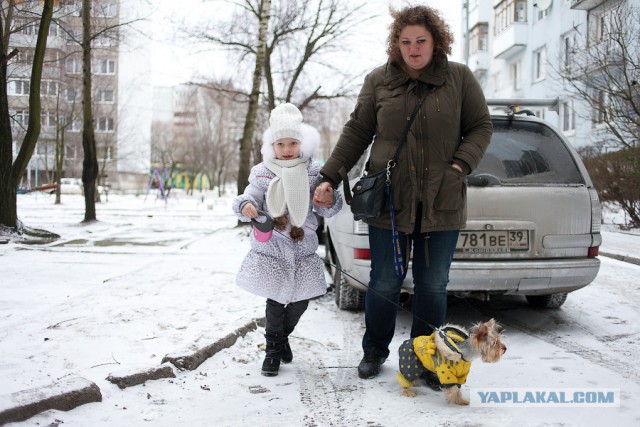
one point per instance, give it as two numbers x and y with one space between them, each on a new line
429 279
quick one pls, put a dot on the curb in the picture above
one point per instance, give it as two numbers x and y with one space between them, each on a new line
192 361
74 392
64 396
624 258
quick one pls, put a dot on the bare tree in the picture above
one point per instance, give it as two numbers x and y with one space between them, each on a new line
602 70
11 171
297 53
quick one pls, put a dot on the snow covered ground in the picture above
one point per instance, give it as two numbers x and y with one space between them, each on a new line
151 279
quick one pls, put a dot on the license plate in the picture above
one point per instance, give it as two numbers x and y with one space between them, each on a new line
493 241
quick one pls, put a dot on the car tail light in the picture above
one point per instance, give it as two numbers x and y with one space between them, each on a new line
361 253
593 251
596 211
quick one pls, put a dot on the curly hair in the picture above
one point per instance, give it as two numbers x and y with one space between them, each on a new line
425 16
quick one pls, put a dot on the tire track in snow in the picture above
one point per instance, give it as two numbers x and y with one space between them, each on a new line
328 388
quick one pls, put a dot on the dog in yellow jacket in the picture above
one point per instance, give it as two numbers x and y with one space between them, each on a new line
448 353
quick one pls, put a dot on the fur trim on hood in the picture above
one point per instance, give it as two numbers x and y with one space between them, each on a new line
309 144
447 339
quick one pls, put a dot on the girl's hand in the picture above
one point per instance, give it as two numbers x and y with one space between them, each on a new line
249 211
323 195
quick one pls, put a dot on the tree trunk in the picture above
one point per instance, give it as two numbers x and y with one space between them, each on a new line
10 173
246 142
90 161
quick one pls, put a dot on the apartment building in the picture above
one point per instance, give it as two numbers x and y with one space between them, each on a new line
516 49
120 86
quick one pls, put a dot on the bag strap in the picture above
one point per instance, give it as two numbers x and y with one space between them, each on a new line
391 163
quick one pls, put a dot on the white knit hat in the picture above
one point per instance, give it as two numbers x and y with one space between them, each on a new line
307 135
285 122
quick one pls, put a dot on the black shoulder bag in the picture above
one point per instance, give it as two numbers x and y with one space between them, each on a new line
369 191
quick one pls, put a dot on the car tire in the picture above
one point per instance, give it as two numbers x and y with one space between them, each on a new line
347 298
547 301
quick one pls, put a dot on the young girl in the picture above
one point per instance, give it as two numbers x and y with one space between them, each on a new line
284 269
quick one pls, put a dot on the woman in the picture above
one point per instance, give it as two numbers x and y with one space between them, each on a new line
445 143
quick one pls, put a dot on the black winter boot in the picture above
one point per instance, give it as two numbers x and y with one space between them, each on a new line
287 354
271 363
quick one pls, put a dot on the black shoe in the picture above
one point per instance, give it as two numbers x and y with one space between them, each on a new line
369 366
431 380
287 354
271 364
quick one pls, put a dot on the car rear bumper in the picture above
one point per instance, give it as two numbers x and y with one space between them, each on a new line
527 277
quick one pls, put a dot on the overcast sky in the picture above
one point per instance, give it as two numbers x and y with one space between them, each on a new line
174 62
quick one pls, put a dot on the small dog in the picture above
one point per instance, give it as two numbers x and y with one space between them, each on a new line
448 353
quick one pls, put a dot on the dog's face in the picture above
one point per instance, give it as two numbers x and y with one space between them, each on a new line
486 338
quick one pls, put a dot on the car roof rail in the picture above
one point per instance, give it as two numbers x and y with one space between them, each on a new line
513 106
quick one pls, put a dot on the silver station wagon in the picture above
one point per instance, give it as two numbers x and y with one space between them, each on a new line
533 220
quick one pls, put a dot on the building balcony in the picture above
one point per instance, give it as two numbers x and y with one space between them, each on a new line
585 4
511 41
479 61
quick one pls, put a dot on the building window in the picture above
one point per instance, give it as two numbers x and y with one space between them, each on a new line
600 109
20 87
71 7
104 124
507 12
568 116
479 38
568 44
53 30
49 88
44 148
21 118
73 36
76 125
104 10
73 94
25 56
106 66
28 28
516 83
70 151
48 119
51 58
543 13
106 96
73 65
104 153
108 38
539 64
604 22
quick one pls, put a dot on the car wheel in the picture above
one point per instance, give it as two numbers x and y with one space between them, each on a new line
347 298
547 301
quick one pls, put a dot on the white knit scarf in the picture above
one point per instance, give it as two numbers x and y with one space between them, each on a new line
289 190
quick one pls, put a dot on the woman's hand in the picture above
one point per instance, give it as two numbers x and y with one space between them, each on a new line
323 195
249 211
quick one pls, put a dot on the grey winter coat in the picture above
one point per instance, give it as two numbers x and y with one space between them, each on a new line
281 269
453 124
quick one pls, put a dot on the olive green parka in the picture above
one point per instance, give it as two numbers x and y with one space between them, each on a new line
453 124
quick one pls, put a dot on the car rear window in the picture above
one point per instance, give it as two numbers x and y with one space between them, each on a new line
523 152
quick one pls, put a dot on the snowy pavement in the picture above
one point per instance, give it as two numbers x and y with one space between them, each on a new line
150 280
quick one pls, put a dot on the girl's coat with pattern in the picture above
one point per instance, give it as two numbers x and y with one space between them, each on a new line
281 269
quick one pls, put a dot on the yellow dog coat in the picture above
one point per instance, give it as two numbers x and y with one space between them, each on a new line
437 353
